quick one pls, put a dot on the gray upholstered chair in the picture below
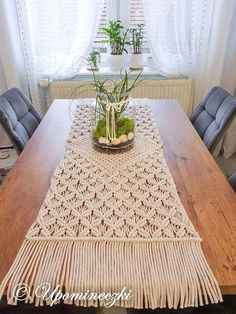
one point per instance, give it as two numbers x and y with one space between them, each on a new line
232 181
212 117
18 117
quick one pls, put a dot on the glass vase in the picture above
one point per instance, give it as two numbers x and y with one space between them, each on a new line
113 122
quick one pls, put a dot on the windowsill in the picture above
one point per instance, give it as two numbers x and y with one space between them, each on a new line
148 73
105 71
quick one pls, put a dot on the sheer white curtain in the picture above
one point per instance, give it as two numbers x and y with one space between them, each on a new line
12 68
53 34
221 55
188 38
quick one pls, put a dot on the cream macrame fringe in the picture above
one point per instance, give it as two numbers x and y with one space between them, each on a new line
160 273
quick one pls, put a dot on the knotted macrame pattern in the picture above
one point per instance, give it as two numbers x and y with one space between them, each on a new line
114 220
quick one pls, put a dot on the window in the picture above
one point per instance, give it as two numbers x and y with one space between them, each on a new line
129 11
100 35
137 17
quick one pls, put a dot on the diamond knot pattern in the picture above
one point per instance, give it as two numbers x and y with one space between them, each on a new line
124 195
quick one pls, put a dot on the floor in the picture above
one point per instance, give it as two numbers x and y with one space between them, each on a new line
227 307
8 157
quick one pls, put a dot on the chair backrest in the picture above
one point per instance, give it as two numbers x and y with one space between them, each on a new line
212 117
18 117
232 180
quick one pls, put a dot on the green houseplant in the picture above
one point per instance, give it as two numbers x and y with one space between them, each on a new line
94 60
137 42
114 118
118 38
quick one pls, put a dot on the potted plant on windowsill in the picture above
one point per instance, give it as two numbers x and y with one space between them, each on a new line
118 38
137 42
94 60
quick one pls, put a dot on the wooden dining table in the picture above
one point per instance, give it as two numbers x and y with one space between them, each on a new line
204 191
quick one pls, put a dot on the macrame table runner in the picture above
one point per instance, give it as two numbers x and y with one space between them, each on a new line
111 221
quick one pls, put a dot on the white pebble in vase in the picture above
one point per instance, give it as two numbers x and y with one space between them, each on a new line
123 138
101 140
107 142
130 136
115 141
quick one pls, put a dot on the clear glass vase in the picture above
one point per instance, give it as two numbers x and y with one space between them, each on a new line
113 123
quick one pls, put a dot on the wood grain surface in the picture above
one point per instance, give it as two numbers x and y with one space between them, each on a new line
209 200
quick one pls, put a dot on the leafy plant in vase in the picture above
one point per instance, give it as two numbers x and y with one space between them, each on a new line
113 124
94 60
118 38
137 42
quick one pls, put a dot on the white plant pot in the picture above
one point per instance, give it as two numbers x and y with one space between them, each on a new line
136 61
116 62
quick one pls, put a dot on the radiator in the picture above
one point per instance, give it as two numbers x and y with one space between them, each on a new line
179 89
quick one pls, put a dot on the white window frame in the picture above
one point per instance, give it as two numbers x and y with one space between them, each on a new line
119 10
